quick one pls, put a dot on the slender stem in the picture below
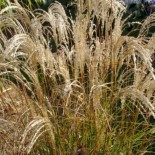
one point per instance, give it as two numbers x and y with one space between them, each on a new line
111 47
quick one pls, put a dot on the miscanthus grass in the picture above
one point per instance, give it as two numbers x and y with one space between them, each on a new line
75 86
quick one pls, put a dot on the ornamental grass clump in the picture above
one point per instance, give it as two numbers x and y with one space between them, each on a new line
74 86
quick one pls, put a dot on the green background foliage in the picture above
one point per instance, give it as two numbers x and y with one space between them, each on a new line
35 3
136 14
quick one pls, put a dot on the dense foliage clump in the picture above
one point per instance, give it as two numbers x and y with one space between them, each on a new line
75 85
